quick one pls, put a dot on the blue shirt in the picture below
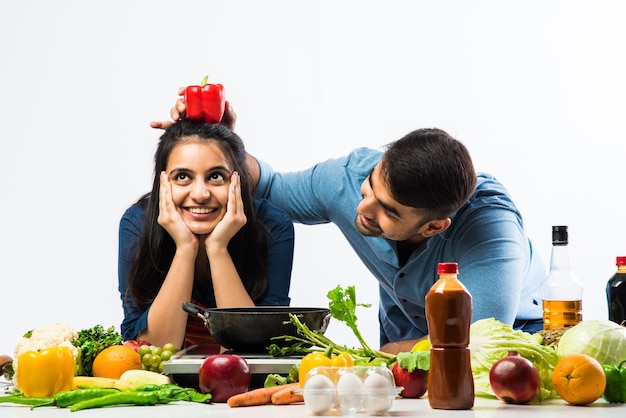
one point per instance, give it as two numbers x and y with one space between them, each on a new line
497 261
279 262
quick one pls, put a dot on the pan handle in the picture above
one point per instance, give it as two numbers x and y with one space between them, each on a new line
325 323
195 310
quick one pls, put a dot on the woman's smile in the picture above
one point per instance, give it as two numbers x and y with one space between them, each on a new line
200 211
201 219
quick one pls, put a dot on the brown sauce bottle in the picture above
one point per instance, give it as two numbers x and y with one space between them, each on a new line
449 315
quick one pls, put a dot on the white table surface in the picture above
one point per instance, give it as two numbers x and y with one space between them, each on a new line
400 408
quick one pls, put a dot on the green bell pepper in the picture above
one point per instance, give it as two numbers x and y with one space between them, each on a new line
615 391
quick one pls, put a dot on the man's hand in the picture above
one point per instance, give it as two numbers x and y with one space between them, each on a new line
229 119
396 347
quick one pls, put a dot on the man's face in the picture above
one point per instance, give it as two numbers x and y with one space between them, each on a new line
380 215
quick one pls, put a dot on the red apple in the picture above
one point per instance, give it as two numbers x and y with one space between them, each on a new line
514 379
415 383
224 375
135 344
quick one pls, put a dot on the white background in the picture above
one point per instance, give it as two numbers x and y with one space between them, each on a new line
535 89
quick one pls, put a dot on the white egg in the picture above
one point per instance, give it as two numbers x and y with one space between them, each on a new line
319 394
349 395
378 394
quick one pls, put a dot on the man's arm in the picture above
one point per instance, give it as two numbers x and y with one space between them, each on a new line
254 171
403 346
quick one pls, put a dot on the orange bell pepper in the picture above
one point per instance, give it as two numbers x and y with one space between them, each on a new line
46 372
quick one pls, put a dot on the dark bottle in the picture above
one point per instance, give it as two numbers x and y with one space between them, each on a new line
616 292
449 315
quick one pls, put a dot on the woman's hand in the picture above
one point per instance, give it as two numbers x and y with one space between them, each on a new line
229 119
171 219
227 285
234 218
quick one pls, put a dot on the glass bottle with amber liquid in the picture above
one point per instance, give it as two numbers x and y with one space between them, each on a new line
449 315
616 292
562 291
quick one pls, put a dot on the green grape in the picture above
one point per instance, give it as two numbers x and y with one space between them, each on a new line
153 357
144 349
166 355
145 359
169 347
155 360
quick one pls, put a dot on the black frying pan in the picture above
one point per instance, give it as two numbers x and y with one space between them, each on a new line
250 330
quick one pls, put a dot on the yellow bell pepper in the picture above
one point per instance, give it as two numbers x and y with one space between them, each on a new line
321 359
342 359
46 372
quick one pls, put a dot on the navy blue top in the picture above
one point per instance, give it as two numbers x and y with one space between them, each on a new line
279 263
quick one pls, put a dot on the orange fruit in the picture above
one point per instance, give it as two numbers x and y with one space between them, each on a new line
115 360
579 379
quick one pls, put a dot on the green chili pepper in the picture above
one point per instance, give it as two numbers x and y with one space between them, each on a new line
25 400
198 397
70 397
615 391
122 398
147 388
146 395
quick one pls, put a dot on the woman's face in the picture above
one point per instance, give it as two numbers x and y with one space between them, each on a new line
200 177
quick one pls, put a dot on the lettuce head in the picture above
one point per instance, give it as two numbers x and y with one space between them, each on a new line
491 340
601 339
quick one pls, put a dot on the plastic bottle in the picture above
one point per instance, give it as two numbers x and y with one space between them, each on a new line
616 292
562 291
449 315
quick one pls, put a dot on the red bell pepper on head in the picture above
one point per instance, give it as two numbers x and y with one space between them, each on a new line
205 102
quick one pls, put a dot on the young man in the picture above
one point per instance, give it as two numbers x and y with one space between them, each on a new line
404 211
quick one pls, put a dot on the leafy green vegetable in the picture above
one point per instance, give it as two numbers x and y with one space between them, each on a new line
601 339
275 379
491 340
90 342
414 360
342 307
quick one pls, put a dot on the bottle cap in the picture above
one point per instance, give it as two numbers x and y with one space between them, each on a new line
559 235
444 268
620 261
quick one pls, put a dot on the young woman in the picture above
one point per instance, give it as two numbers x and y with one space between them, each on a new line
199 236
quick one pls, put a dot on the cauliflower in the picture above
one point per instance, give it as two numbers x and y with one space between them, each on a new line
53 335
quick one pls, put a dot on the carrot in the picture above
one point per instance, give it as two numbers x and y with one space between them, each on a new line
287 395
260 396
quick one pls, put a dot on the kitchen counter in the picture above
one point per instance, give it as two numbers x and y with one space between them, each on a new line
401 408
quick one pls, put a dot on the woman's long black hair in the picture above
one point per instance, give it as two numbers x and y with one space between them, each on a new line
156 248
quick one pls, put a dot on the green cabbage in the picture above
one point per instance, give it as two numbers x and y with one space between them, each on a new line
491 340
601 339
